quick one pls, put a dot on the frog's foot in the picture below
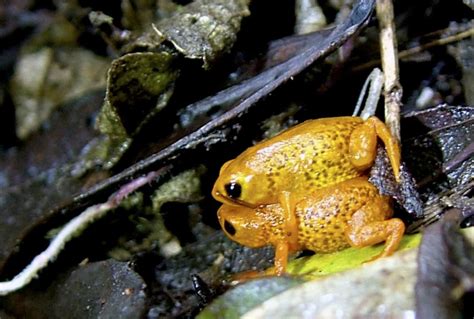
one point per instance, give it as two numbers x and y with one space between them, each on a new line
368 227
289 215
244 276
391 231
363 143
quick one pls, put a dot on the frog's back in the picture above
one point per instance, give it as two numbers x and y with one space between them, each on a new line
322 125
324 216
313 154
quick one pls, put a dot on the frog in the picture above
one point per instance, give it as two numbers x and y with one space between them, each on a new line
309 156
351 213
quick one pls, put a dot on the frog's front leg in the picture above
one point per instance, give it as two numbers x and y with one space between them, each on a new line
363 145
282 250
281 257
370 226
288 203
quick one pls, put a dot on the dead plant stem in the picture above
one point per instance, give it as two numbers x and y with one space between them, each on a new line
388 47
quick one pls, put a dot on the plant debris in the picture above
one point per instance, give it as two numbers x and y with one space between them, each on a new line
204 29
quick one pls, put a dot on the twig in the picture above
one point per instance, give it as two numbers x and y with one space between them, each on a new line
375 80
72 229
388 45
420 48
438 42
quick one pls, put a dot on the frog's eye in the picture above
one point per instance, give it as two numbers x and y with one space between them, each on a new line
233 189
229 228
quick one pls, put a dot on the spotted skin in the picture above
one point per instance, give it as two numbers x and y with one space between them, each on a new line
351 213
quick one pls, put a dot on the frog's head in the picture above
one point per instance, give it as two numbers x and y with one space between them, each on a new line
237 185
243 225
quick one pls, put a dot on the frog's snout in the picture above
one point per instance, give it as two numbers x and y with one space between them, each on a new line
242 224
229 228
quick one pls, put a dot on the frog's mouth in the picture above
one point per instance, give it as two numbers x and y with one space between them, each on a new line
231 201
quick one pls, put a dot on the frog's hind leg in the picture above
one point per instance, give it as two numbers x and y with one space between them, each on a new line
370 226
363 143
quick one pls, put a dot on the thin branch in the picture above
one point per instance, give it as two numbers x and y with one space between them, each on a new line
375 80
420 48
438 42
388 45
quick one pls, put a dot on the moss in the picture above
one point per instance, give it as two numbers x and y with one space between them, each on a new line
139 86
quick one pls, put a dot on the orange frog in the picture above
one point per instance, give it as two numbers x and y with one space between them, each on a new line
350 213
297 162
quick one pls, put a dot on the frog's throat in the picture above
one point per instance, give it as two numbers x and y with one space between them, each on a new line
232 201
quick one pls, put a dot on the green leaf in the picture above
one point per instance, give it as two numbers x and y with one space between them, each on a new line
240 300
319 265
